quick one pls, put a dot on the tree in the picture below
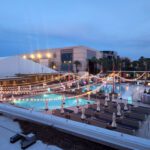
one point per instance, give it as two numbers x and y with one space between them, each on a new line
77 63
126 64
100 62
135 65
94 60
52 64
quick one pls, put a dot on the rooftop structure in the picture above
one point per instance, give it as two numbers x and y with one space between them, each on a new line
11 66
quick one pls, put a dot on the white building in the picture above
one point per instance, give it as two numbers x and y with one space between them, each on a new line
10 66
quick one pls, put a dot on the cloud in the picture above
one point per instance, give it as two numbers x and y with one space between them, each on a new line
123 26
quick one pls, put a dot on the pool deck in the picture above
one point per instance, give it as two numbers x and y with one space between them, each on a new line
81 129
133 122
141 130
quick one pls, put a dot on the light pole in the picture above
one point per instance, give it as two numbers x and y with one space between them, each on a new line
113 90
145 72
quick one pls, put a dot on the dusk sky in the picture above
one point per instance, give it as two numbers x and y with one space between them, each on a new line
120 25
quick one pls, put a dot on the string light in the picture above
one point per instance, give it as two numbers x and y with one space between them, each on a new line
37 91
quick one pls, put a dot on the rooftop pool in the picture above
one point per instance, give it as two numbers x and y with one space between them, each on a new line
127 91
54 102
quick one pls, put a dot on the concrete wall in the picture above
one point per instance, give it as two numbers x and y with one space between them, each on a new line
79 53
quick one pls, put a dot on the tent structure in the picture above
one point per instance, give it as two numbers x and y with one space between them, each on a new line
10 66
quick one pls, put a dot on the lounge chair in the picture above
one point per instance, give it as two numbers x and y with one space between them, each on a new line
129 122
142 110
98 123
137 116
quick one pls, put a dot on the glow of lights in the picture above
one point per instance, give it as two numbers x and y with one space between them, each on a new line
118 88
39 56
127 88
48 89
84 82
48 55
24 56
45 95
32 56
129 100
149 84
54 67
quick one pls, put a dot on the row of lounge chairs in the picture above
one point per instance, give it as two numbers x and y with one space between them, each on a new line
129 122
96 120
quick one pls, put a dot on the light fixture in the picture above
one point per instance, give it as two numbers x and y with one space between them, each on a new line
48 89
39 55
24 56
32 56
48 55
54 67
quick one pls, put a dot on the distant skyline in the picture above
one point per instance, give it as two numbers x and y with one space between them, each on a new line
122 26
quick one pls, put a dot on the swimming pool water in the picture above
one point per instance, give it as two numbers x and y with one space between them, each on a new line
54 102
127 91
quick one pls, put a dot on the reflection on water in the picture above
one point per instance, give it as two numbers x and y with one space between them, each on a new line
54 102
126 91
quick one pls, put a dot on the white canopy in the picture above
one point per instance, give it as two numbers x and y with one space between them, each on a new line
10 66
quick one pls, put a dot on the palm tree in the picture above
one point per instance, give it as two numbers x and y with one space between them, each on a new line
94 60
142 63
101 62
77 63
126 64
51 64
135 65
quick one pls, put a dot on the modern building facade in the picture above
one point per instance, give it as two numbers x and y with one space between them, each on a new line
62 59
